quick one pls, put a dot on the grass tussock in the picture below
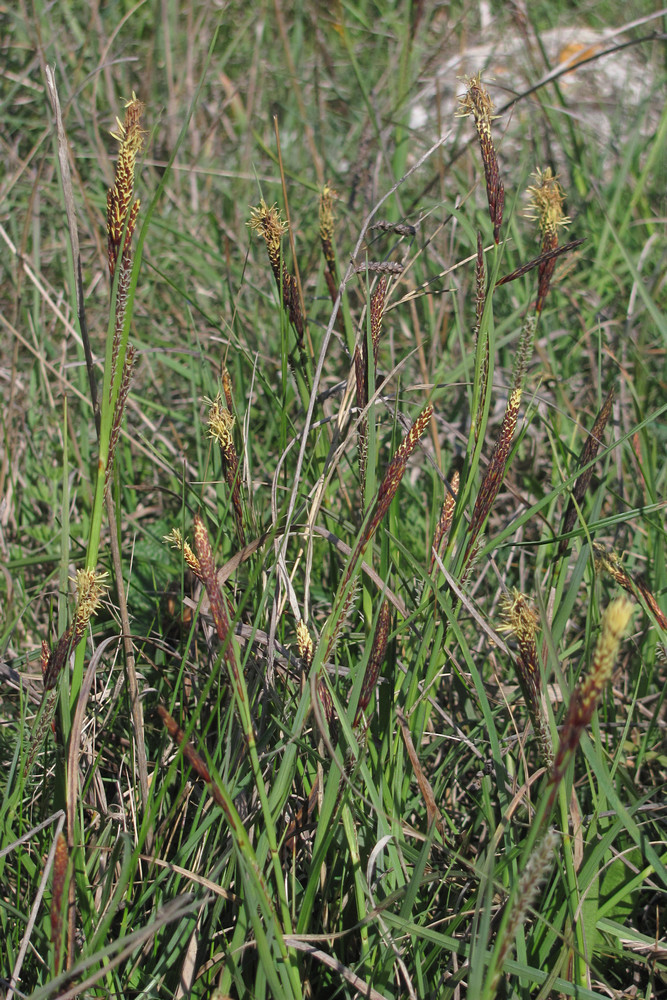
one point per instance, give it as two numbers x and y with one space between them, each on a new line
392 723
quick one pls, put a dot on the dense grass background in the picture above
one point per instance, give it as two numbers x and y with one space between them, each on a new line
175 895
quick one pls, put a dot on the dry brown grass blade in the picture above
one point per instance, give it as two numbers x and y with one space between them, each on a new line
433 814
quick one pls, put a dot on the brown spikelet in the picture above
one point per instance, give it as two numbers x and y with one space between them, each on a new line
472 557
392 480
379 267
480 301
497 467
520 620
378 300
191 755
543 258
361 370
60 866
397 466
635 585
122 213
587 693
643 589
546 207
58 658
220 426
306 650
545 269
210 580
445 520
476 102
361 377
326 701
226 380
45 719
124 275
219 609
268 222
480 286
361 373
375 660
327 197
386 493
589 451
400 228
123 393
44 659
495 472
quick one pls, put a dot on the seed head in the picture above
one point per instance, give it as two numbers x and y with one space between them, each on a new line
268 222
210 580
497 467
476 102
546 202
304 643
398 464
446 516
90 590
521 620
537 868
375 660
587 693
119 198
220 424
176 540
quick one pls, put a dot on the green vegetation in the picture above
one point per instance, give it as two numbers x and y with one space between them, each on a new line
332 533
